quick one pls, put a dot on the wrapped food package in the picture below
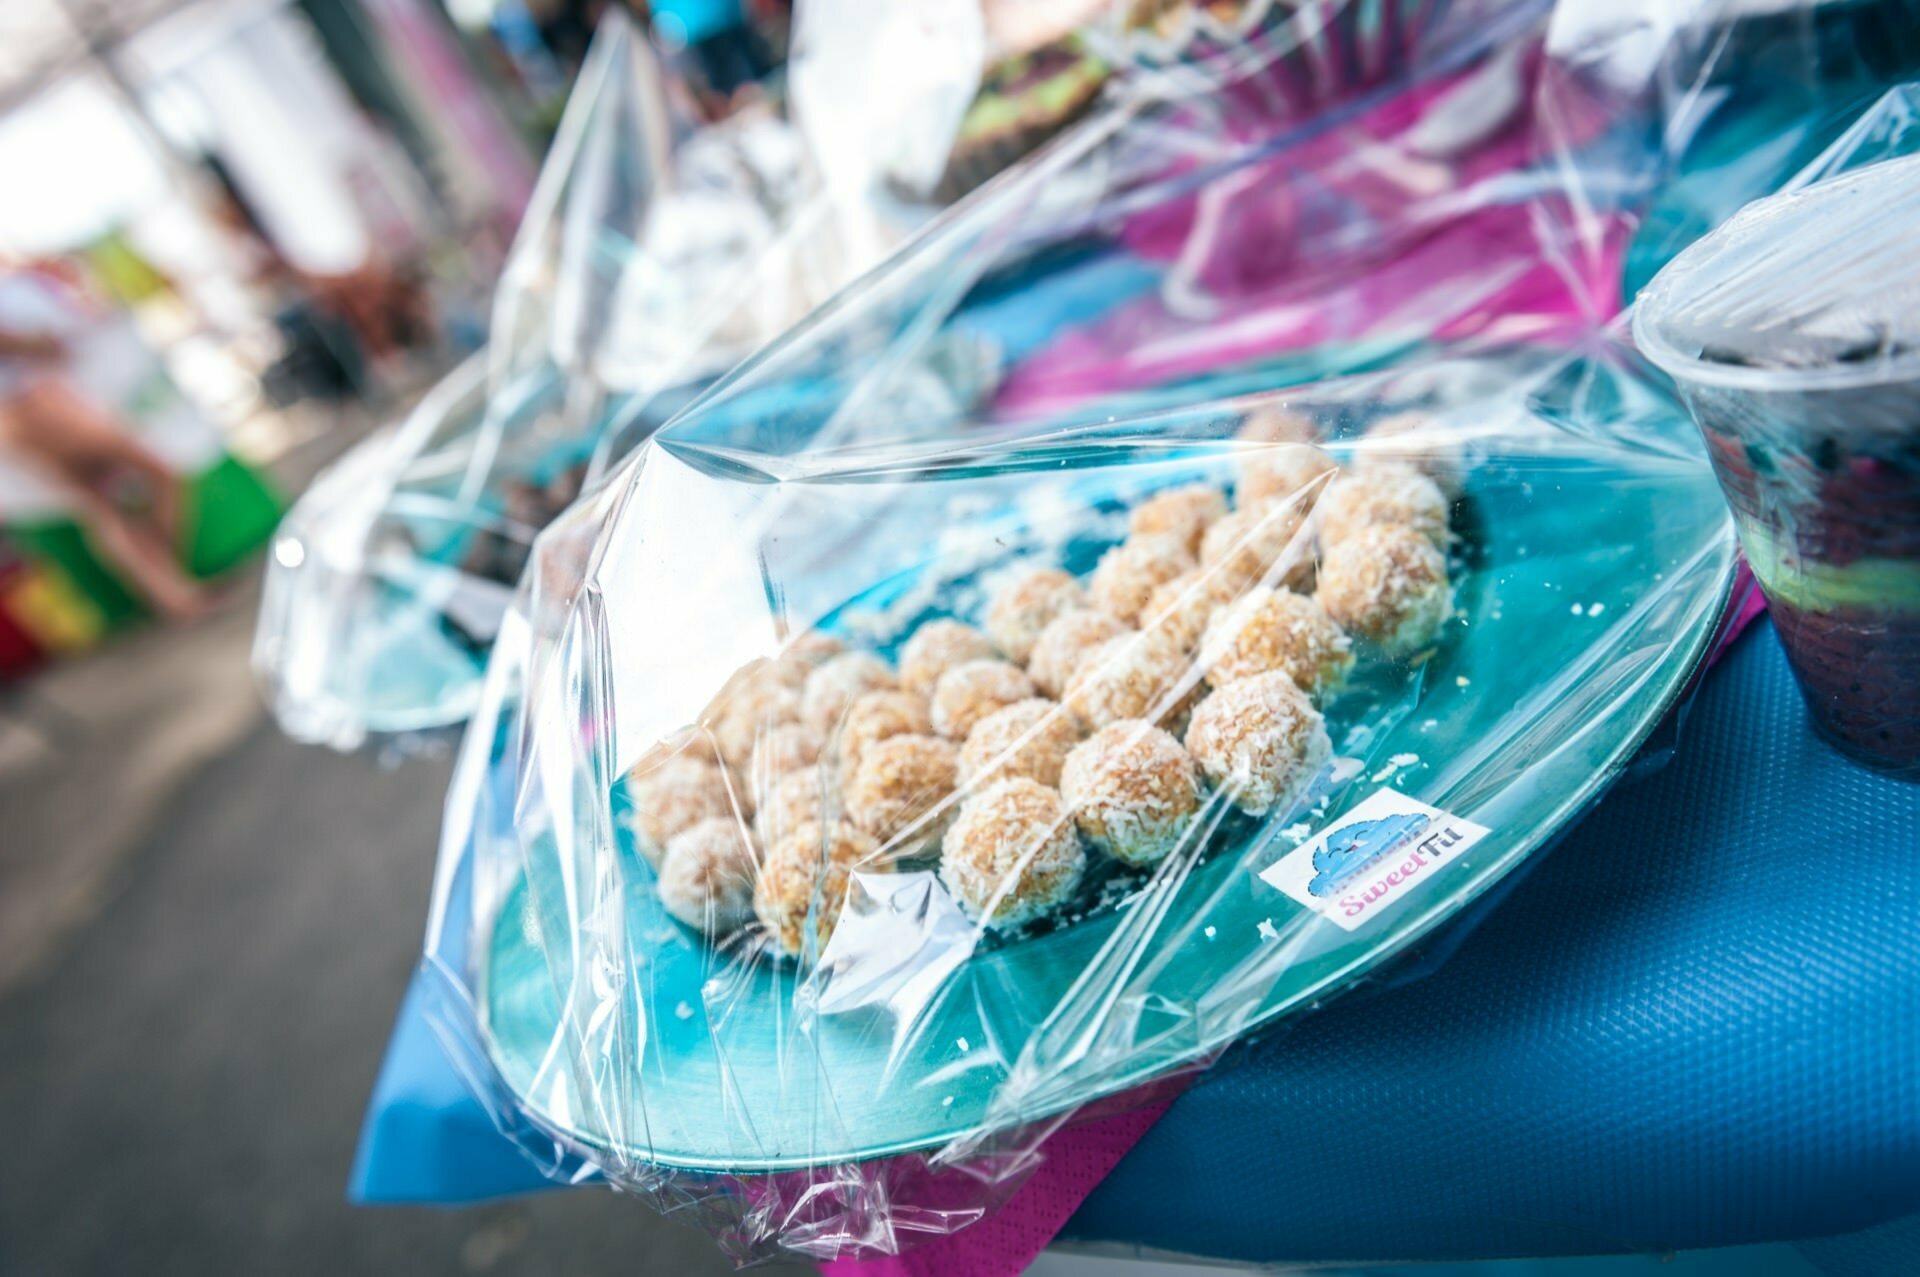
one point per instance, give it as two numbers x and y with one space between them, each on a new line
653 256
1164 592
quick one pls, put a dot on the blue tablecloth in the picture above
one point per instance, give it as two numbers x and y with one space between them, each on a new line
1696 1023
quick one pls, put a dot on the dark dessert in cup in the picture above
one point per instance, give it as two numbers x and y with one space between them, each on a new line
1830 521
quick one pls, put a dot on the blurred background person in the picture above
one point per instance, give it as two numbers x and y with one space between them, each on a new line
125 496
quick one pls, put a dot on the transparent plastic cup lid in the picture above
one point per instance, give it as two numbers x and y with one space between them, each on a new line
1817 288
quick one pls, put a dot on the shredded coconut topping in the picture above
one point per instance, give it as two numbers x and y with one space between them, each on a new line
968 693
1012 854
1260 740
1133 791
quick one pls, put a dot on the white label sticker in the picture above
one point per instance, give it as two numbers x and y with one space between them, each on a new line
1377 855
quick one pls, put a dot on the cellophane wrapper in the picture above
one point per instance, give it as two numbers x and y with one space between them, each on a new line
1155 599
653 256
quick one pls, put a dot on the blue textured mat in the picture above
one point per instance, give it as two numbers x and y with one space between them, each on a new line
1697 1023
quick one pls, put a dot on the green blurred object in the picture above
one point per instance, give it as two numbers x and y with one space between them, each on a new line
230 511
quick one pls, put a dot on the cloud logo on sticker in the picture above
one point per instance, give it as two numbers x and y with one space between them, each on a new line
1352 848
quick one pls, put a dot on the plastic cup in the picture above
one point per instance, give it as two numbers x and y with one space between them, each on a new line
1793 333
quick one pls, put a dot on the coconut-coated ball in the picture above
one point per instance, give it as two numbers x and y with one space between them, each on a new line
1180 608
1257 542
877 716
837 682
1417 439
1028 738
1183 513
1067 638
1277 630
1143 675
783 749
1295 472
804 653
806 794
1127 574
706 877
812 648
688 742
1388 585
899 794
754 702
937 647
1260 741
1012 855
1133 791
1023 606
968 693
1387 493
1277 423
673 797
804 879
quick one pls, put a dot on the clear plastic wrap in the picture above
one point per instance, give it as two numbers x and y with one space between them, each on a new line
1170 587
652 256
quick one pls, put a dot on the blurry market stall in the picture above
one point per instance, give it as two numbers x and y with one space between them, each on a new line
276 202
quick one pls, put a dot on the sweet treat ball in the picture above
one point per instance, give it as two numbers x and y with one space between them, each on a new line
1133 791
1275 423
1387 493
1248 544
804 653
706 877
1183 513
812 648
837 682
805 875
689 742
1128 573
674 797
1028 738
968 693
754 701
937 647
1388 585
1067 638
1277 630
1180 608
1012 854
897 793
1261 741
1416 439
800 796
783 749
1133 676
1294 472
877 716
1023 606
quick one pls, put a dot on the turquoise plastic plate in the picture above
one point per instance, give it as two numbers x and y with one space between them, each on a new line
1587 596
